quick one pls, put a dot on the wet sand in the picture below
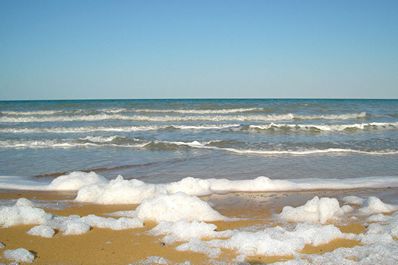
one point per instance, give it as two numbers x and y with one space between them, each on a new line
105 246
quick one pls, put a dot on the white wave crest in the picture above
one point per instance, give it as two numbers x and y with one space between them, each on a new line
116 129
104 141
168 118
328 127
196 186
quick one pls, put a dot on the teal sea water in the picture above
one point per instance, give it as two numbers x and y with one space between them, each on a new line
166 140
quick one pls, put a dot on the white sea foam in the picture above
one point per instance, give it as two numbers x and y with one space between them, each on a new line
118 191
19 255
316 210
374 205
22 213
75 181
92 187
185 231
177 207
355 200
42 230
278 241
168 118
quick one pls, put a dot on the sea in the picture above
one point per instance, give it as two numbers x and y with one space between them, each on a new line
164 140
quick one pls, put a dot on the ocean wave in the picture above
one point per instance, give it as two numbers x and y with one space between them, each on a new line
89 141
284 127
127 110
117 129
222 146
201 187
217 145
168 118
324 127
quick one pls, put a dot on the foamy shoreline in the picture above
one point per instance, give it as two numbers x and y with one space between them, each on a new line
251 219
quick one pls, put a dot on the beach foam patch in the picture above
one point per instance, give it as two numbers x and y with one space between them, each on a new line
176 207
22 213
354 200
19 255
374 205
42 230
316 210
118 191
75 181
273 241
185 231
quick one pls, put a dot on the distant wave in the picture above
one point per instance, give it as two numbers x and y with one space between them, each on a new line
324 127
284 127
125 142
118 129
167 118
214 145
120 110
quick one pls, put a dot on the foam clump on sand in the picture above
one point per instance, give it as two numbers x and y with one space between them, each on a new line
94 188
112 223
316 210
152 260
275 241
22 213
176 207
2 245
185 231
42 230
374 205
19 255
117 191
71 225
76 225
199 246
75 181
354 200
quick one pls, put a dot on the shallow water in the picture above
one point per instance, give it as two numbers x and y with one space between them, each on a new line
166 140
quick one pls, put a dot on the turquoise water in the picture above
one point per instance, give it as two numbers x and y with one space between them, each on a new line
165 140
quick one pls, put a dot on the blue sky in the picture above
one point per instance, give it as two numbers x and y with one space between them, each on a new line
198 49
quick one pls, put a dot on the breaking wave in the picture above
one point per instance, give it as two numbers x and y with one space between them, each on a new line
168 118
285 127
125 142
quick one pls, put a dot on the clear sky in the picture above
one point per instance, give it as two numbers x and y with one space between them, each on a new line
198 49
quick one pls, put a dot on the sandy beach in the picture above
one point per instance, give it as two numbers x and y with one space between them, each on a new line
130 246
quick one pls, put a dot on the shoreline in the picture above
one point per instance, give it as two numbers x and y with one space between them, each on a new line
134 245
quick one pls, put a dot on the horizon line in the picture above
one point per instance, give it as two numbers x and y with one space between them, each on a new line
198 98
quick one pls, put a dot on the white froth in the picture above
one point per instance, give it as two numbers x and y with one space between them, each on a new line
42 230
176 207
23 202
22 213
19 255
75 181
94 188
277 241
117 191
185 231
112 223
355 200
316 210
374 205
199 246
